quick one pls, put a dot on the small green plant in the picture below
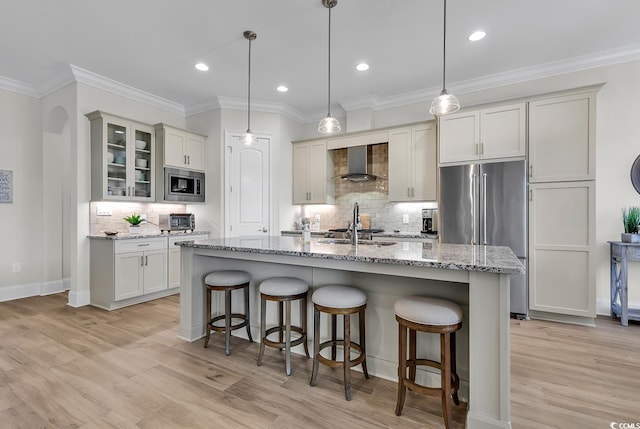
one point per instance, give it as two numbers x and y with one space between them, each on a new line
631 219
134 219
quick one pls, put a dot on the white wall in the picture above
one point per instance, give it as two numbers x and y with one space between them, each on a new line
21 222
214 124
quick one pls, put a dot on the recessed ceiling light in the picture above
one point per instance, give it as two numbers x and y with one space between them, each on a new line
202 67
476 35
362 67
282 88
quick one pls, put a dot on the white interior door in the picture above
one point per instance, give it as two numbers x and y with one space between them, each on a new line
247 186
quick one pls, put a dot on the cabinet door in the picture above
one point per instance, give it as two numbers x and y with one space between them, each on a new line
301 173
562 138
118 158
195 150
142 159
318 172
502 132
174 148
399 167
423 163
174 267
128 275
562 248
459 137
155 270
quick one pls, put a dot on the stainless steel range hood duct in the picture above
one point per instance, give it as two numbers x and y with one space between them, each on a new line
359 164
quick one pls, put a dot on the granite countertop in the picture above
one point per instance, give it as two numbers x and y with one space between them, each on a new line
494 259
151 234
415 234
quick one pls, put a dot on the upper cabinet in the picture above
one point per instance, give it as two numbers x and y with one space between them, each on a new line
562 138
312 173
180 148
486 134
122 159
413 168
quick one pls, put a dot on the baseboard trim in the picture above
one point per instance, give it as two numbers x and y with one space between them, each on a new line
48 288
563 318
9 293
79 298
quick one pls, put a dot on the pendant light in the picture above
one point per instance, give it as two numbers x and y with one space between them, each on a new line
445 103
248 138
329 125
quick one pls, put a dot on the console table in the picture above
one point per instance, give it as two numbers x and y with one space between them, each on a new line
621 253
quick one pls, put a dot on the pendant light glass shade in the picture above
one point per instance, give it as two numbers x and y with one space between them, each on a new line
248 138
444 103
329 125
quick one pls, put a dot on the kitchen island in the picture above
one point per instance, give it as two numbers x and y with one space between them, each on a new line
475 277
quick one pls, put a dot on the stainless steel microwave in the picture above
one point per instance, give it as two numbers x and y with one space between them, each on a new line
183 185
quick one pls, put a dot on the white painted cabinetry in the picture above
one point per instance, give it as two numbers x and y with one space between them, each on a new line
562 138
485 134
126 272
562 207
180 148
562 248
413 167
122 159
312 173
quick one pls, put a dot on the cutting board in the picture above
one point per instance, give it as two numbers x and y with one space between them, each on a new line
365 220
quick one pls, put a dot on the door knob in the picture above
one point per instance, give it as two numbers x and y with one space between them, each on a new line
263 230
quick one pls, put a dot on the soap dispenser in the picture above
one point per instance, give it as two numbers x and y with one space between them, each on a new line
306 235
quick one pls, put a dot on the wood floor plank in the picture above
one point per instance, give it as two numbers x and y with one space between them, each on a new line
88 368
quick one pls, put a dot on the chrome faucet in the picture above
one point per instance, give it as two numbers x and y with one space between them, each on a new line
355 225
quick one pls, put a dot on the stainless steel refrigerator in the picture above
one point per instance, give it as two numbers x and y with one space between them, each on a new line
486 204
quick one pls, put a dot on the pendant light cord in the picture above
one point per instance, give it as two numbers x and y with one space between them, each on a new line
329 68
444 48
249 92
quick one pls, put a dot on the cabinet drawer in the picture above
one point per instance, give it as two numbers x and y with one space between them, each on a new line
142 245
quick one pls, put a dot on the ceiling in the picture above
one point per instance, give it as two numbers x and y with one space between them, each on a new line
152 45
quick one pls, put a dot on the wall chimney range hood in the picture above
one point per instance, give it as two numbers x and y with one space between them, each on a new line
359 165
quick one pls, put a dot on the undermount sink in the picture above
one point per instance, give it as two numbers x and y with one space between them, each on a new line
360 242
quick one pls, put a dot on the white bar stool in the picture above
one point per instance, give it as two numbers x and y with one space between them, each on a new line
283 290
227 281
424 314
335 300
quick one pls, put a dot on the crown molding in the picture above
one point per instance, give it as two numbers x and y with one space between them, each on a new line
56 82
18 87
98 81
241 104
541 71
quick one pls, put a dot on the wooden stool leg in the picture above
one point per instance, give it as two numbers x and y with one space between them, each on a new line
207 318
453 366
347 356
363 343
287 338
334 325
412 354
280 321
445 377
247 315
316 345
303 317
263 327
227 321
402 367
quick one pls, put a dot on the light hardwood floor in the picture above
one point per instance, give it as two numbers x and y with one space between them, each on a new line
88 368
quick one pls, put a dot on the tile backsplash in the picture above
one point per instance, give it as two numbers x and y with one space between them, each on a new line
115 221
372 197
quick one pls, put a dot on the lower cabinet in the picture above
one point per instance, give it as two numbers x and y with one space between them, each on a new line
562 249
126 272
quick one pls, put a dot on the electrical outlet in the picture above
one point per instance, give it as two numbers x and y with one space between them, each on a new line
405 219
16 267
103 211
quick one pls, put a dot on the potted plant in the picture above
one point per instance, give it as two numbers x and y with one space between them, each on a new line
630 221
134 221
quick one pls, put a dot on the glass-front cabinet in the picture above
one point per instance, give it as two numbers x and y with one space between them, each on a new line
122 159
